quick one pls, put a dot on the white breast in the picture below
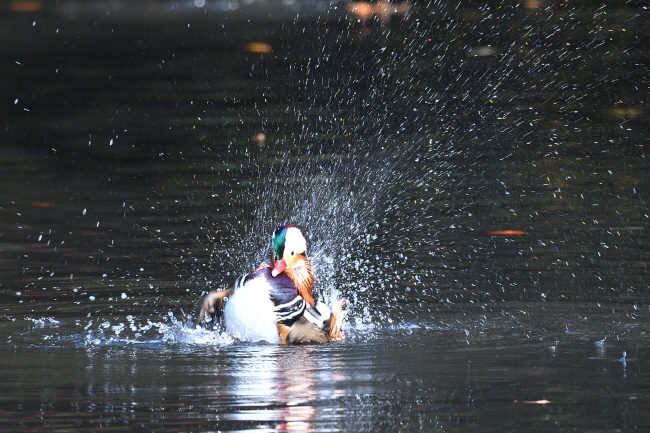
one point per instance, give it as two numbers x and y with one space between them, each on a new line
248 314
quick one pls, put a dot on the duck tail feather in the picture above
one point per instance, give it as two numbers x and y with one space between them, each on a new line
336 320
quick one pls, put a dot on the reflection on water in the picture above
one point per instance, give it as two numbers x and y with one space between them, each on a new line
282 386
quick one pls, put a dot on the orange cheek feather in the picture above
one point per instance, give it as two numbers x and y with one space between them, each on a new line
304 279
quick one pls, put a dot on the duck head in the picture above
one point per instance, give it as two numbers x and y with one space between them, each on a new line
289 247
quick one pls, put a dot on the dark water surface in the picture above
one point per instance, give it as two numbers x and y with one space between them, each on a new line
472 177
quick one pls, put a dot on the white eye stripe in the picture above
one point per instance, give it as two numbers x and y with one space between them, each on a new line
294 241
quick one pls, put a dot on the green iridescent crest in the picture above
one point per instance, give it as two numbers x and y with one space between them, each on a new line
279 239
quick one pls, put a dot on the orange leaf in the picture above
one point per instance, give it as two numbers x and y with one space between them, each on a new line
507 232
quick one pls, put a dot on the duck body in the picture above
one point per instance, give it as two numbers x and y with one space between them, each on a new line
249 313
276 303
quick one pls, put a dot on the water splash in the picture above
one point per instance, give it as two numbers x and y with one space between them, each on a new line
166 332
44 322
369 164
177 334
132 331
354 208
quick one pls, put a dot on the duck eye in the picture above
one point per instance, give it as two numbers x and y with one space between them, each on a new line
292 253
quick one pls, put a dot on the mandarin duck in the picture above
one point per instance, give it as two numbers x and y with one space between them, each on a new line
276 302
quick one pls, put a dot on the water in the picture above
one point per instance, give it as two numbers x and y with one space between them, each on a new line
136 176
208 384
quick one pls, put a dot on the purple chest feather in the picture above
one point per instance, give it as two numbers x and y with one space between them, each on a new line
282 289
